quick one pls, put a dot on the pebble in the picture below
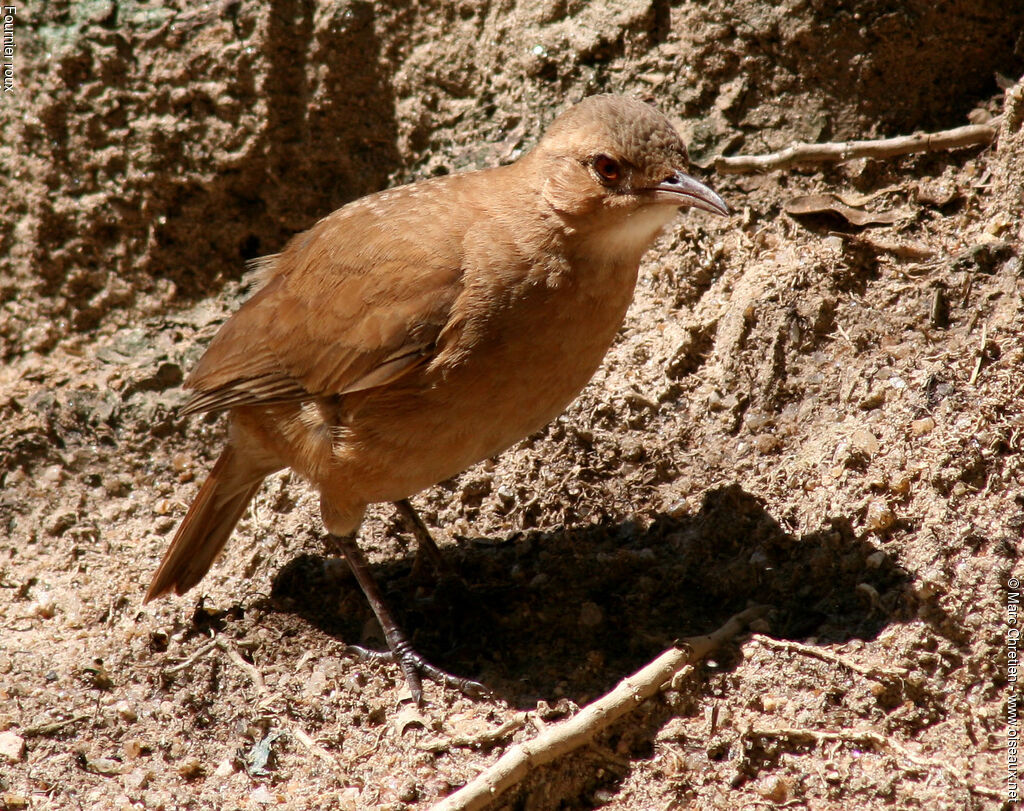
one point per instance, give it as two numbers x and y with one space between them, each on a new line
137 780
922 426
191 768
880 515
899 485
770 703
591 615
44 606
865 441
12 747
126 712
133 748
180 462
262 796
106 766
775 789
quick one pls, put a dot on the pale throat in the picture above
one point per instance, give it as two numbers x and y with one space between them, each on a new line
628 238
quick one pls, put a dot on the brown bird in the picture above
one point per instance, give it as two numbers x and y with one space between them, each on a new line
421 329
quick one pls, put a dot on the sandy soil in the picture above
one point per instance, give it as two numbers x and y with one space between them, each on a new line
822 417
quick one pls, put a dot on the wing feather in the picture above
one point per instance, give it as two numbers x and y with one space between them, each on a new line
337 315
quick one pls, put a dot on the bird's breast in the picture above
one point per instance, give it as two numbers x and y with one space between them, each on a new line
494 385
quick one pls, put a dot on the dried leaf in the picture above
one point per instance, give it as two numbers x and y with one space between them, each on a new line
830 204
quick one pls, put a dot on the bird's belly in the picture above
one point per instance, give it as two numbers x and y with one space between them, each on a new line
533 364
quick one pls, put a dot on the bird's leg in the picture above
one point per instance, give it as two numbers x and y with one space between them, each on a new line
411 662
425 542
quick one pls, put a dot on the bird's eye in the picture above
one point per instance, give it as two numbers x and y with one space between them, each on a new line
608 169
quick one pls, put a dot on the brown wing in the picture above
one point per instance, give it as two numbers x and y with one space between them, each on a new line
353 303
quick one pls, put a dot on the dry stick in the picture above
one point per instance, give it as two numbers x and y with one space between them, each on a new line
258 683
562 738
254 675
191 660
971 135
828 657
45 730
872 738
487 738
250 669
981 354
304 738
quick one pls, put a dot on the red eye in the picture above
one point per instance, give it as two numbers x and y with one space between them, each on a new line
608 168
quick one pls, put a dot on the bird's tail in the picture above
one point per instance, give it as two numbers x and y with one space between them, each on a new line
207 526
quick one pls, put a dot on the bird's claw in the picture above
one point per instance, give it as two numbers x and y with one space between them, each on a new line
415 667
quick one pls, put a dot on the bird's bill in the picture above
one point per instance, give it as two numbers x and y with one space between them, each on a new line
682 190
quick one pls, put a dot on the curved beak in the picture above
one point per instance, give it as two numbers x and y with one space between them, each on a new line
682 190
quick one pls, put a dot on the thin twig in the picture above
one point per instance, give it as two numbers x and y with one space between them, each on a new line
566 736
250 669
191 660
825 656
254 675
486 738
304 738
970 135
872 738
981 354
45 730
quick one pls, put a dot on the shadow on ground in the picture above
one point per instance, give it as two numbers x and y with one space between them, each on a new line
570 612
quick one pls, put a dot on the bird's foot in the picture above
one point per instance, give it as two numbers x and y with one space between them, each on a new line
415 668
413 665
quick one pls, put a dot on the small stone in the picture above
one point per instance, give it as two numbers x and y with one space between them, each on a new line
922 426
190 768
12 800
225 768
407 791
12 747
678 508
539 580
54 474
770 703
105 765
126 712
865 441
44 606
775 789
874 399
180 462
591 615
899 484
262 796
137 780
880 515
133 748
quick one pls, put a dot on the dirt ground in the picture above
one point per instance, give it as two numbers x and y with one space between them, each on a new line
803 412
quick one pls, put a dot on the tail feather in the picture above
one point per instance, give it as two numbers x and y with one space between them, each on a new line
206 527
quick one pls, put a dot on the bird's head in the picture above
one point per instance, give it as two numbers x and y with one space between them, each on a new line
616 166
